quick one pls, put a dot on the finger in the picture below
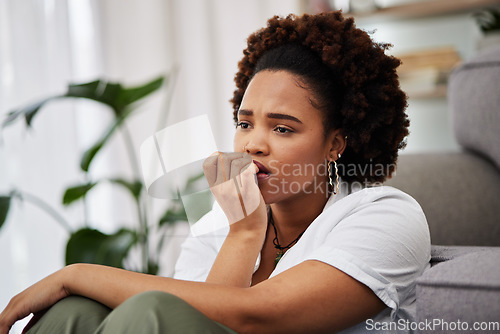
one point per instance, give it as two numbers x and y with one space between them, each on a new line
250 190
249 178
240 197
224 165
210 168
10 315
238 165
221 169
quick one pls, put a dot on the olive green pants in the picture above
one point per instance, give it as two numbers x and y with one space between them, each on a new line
148 312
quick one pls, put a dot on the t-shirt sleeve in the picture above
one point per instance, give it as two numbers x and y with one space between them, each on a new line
383 243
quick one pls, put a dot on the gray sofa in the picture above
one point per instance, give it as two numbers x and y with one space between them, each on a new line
460 195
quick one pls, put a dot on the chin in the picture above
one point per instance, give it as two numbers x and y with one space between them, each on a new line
273 198
268 198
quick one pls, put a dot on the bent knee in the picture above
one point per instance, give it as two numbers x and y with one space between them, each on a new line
78 305
73 314
159 312
152 299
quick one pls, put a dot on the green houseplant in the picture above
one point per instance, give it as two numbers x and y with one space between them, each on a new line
87 244
488 21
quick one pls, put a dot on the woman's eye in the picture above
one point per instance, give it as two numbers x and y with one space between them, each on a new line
243 125
282 129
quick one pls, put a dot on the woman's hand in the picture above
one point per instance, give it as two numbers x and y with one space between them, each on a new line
232 180
34 299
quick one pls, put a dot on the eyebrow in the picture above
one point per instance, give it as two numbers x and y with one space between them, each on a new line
246 112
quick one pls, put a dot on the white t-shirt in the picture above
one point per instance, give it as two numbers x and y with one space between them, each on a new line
377 235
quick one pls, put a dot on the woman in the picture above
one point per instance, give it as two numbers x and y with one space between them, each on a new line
316 102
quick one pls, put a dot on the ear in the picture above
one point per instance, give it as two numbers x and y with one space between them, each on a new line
337 143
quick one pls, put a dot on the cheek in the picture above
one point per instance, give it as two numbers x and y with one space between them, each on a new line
307 153
302 164
237 143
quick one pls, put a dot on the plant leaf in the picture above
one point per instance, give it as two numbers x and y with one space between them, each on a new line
173 215
191 183
131 95
109 93
28 112
90 153
488 19
76 192
4 208
134 187
152 268
113 94
92 246
115 248
99 90
83 245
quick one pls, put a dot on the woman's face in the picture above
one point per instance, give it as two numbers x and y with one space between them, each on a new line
282 131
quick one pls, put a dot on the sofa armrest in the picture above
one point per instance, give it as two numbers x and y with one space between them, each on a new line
460 209
461 291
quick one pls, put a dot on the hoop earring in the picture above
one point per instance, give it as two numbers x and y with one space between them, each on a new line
334 188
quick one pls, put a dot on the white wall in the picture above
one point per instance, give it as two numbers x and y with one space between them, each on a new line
430 121
46 43
39 162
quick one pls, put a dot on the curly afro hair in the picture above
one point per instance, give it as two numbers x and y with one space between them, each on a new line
354 82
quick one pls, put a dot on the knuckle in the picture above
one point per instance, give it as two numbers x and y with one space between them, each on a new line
236 163
235 154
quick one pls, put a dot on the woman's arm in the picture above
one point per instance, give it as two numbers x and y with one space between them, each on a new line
236 259
112 286
235 262
311 297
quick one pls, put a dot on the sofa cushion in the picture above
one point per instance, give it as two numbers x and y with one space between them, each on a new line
465 289
442 253
474 101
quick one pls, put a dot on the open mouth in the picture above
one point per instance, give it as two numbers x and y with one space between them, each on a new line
263 172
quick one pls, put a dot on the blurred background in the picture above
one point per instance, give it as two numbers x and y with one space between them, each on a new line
196 44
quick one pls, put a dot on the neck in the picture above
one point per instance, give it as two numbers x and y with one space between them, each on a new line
293 216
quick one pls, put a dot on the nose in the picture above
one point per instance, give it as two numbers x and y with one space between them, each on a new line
256 144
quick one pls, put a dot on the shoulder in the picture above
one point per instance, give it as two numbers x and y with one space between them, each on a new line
380 201
380 194
381 225
379 236
385 226
386 211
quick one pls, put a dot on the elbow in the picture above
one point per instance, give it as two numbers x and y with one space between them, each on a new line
255 315
249 325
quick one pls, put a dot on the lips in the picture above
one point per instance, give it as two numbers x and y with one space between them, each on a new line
263 172
262 168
